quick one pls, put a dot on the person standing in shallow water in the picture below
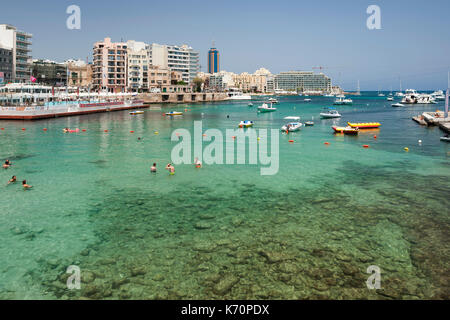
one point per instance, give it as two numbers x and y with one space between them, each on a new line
171 169
153 168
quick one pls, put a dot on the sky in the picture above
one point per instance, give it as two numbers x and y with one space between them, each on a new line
413 44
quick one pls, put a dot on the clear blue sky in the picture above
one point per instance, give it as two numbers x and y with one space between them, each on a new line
414 43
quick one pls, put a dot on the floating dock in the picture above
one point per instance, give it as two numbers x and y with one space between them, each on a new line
43 112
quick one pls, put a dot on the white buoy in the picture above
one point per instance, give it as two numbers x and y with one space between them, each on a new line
420 141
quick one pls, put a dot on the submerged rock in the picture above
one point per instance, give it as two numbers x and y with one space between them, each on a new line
202 225
225 284
274 256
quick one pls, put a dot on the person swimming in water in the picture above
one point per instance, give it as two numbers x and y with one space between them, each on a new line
7 164
12 180
153 168
65 130
25 185
171 169
198 163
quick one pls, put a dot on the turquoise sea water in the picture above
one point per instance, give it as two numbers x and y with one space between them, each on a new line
224 231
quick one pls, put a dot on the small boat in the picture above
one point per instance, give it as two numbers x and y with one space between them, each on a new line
345 130
136 112
266 108
390 99
342 101
309 123
445 138
330 113
307 100
245 124
365 125
291 127
273 100
174 113
292 118
397 105
250 104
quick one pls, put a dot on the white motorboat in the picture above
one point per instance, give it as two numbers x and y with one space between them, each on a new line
292 118
329 95
413 97
273 100
330 113
245 124
438 95
136 112
250 104
174 113
445 138
235 94
342 101
266 108
307 100
390 99
291 127
396 105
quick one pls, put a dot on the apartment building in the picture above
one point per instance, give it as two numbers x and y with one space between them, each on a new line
18 42
138 66
110 66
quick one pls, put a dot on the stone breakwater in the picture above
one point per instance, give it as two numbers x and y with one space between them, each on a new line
298 244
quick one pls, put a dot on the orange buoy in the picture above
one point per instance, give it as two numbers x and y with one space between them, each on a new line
204 135
84 130
365 146
375 137
327 143
3 128
23 129
106 130
291 141
131 131
45 129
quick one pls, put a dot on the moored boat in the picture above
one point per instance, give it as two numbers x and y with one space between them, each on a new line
291 127
345 130
330 113
397 105
174 113
245 124
365 125
309 123
266 108
136 112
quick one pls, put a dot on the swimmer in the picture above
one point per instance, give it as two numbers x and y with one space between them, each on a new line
12 180
7 164
153 168
65 130
25 185
171 169
197 163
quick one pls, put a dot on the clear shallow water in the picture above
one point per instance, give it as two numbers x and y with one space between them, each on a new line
225 231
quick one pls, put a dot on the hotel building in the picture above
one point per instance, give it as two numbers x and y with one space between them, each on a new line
18 42
110 66
138 66
213 61
302 81
182 59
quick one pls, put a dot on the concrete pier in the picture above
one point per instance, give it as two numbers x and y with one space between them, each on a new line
150 98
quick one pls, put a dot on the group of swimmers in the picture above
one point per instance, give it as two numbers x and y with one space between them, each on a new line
171 168
25 185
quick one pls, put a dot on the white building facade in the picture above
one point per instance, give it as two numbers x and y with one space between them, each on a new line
19 43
